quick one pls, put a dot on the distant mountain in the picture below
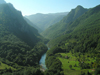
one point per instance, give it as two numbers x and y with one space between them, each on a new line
2 2
59 28
44 21
30 23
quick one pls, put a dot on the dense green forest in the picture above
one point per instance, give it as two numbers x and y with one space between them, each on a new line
78 49
21 46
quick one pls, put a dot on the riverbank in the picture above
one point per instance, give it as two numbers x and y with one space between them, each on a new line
42 62
42 69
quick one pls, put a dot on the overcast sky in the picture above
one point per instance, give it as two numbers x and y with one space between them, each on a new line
29 7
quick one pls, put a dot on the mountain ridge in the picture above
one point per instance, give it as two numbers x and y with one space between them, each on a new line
78 25
60 27
19 25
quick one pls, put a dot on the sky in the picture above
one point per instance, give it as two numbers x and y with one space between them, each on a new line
29 7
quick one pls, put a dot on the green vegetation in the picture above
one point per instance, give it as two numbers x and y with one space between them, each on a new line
59 28
81 41
3 66
21 46
72 64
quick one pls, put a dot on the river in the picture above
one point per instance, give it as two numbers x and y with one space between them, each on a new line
42 61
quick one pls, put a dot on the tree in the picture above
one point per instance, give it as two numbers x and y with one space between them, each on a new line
70 66
97 71
88 73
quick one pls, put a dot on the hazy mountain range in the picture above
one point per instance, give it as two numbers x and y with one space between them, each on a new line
33 25
44 21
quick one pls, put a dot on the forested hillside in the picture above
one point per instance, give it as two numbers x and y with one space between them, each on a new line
44 21
79 47
59 28
21 46
13 21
